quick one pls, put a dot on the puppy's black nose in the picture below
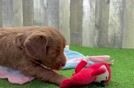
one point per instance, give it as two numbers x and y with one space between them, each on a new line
63 64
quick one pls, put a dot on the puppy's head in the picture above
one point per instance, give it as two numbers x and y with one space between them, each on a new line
46 47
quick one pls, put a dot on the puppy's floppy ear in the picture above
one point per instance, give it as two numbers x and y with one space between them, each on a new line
36 45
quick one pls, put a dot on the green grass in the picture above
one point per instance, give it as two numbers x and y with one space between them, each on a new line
122 69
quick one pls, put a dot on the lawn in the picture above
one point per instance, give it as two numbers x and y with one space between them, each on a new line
122 69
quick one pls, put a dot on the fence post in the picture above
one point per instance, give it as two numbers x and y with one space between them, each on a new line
116 23
11 13
128 41
64 19
18 13
102 20
7 13
28 15
88 25
40 14
0 13
53 13
76 13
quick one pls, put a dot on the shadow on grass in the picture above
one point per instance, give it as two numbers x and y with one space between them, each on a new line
92 85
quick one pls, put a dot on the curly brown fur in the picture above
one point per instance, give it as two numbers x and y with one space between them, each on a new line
22 47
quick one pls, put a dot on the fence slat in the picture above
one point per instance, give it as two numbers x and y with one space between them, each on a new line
88 25
17 13
116 23
101 24
0 13
64 19
53 13
40 14
76 12
28 15
128 38
7 12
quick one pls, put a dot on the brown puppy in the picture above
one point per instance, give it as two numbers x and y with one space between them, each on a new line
35 51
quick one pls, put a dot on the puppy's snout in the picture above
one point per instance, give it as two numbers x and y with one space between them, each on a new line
61 62
60 65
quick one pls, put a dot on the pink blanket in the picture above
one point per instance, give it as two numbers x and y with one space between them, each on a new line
14 76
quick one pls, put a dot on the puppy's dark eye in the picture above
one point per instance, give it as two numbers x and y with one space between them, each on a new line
57 50
38 61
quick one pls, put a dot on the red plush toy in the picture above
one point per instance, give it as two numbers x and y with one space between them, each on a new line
99 72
